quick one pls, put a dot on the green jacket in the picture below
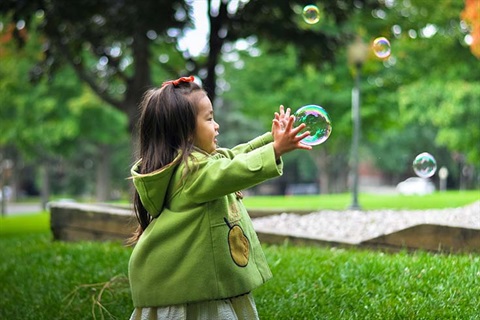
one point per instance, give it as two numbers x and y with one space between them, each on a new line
201 244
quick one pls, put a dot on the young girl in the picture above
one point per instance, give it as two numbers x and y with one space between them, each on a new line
197 255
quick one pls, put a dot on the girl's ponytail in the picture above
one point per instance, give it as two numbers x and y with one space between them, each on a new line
142 217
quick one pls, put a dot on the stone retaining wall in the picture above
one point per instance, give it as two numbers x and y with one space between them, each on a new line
97 222
70 221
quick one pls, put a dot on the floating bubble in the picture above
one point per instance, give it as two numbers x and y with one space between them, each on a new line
424 165
317 122
311 14
381 47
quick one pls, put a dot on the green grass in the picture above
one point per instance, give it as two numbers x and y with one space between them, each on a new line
42 279
45 279
320 283
449 199
24 224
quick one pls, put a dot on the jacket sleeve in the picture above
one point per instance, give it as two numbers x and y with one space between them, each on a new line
248 146
218 175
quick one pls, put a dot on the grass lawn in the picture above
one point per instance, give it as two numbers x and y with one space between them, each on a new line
437 200
42 279
45 279
24 224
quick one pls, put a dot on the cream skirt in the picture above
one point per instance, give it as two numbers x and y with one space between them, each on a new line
239 308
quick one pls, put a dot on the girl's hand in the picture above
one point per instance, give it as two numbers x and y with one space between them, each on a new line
285 137
282 117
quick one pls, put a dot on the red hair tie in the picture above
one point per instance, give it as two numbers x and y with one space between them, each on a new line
178 81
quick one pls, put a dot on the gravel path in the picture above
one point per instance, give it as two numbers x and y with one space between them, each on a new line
357 226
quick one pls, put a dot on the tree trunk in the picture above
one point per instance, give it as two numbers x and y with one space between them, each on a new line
321 160
45 184
215 43
103 176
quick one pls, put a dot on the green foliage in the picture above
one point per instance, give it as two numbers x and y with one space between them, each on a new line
265 82
426 90
287 61
280 23
46 117
97 122
453 107
57 120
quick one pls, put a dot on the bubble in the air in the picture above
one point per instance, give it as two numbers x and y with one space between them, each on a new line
424 165
311 14
381 47
317 122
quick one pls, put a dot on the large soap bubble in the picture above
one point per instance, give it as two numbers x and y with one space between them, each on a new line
317 122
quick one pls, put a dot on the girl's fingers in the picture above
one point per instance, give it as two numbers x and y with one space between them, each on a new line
302 136
289 125
299 128
304 146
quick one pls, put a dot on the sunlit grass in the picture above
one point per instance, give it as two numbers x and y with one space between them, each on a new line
450 199
24 224
45 279
40 276
321 283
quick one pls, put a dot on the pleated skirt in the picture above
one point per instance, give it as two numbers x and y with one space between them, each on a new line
238 308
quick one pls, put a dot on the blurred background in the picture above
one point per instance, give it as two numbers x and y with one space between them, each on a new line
72 75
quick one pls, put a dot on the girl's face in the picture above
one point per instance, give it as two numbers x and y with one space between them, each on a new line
206 129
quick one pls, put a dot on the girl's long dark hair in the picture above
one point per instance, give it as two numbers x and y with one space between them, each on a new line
165 128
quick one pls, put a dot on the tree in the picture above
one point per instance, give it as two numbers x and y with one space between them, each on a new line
51 120
266 81
452 108
115 46
107 43
430 73
121 48
423 36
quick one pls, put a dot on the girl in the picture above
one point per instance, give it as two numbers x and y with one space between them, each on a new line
197 255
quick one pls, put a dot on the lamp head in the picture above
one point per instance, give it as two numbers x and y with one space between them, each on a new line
357 52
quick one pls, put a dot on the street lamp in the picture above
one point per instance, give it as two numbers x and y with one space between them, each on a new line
5 167
357 54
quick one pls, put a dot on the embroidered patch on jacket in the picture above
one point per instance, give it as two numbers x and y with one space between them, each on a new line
238 244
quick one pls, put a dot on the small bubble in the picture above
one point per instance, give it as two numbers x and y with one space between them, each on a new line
311 14
424 165
381 47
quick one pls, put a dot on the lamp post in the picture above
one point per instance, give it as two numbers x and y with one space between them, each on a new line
357 54
5 167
